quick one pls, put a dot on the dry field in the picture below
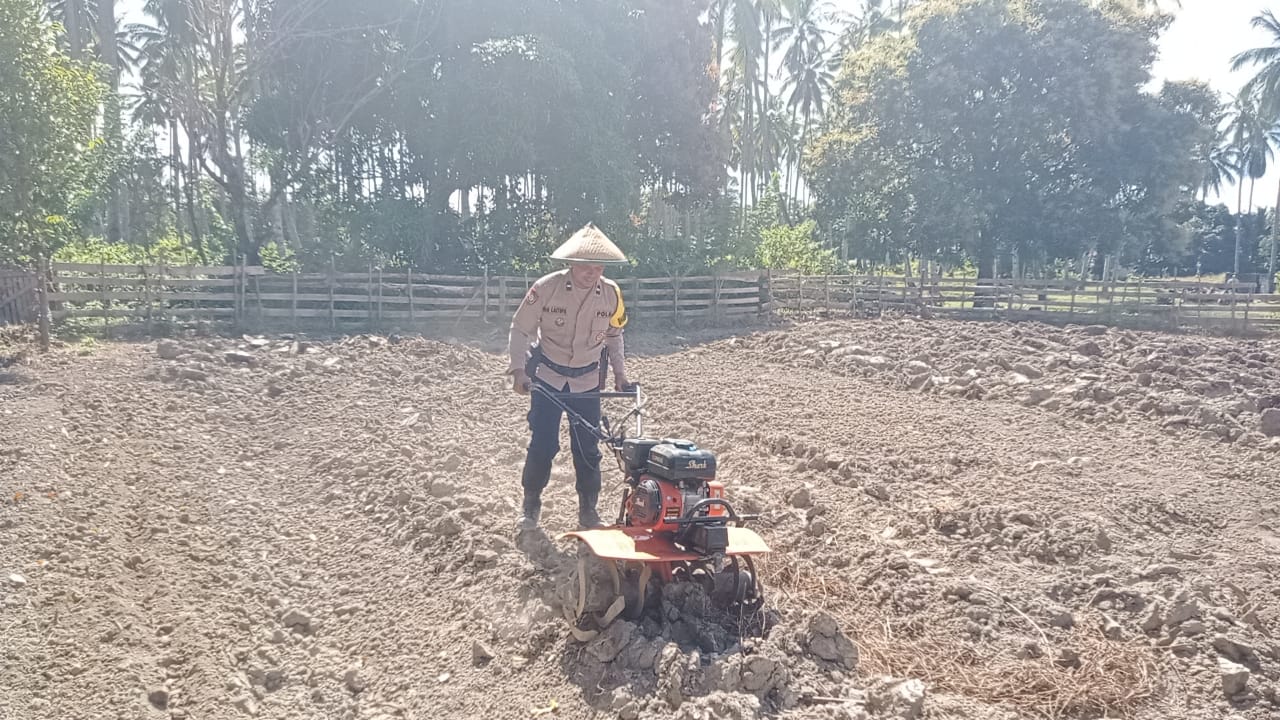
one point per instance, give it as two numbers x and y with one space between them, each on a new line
978 521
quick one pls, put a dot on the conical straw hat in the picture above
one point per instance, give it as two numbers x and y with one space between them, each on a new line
589 245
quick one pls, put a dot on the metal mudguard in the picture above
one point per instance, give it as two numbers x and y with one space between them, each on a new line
642 545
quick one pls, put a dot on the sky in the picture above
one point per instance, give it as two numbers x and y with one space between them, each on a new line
1199 44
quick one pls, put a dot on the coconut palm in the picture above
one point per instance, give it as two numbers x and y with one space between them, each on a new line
808 75
1250 137
1266 83
168 69
1219 171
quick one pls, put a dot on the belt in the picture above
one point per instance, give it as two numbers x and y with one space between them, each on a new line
537 357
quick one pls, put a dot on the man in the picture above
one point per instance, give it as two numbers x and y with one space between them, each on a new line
564 336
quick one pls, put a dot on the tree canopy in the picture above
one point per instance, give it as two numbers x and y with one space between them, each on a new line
47 106
990 129
1004 136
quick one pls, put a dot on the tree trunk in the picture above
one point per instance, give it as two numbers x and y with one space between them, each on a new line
724 6
768 161
175 160
112 131
1239 227
193 186
71 10
986 274
240 218
1275 238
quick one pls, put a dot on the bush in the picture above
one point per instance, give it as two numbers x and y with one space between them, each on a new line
794 248
169 250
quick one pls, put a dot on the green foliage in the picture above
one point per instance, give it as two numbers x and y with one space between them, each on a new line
685 238
993 127
47 146
168 250
474 137
465 134
794 248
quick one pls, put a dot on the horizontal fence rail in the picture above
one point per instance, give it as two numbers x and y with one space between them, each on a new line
18 301
380 298
376 298
1163 304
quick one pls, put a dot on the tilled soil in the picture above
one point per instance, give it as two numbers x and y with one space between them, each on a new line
967 521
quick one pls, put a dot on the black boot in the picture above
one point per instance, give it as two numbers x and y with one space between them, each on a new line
588 518
530 511
537 471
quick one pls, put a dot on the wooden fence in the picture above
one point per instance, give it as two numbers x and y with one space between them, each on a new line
18 299
376 298
1156 304
251 297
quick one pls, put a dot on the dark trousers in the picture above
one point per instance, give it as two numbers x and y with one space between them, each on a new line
544 445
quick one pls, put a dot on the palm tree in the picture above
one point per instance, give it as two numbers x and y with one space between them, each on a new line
1219 170
92 24
1266 84
1250 137
808 73
770 12
740 85
75 18
168 69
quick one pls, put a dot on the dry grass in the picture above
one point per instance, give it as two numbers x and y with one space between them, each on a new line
1107 678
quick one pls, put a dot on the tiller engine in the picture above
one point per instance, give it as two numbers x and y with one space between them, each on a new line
673 522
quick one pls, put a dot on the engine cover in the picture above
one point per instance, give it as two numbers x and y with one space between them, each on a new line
635 454
657 503
646 503
681 461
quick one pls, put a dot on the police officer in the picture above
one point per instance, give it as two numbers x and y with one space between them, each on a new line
564 336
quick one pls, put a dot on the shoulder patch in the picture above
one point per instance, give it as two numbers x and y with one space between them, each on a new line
619 319
531 297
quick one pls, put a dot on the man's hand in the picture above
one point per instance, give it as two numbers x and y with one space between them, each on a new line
520 382
621 384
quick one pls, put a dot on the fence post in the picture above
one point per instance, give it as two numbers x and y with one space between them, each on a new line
257 296
1248 301
715 296
102 288
42 287
675 297
333 319
146 294
160 286
293 301
379 296
880 294
409 281
235 289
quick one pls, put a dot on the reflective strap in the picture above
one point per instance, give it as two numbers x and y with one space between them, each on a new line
563 370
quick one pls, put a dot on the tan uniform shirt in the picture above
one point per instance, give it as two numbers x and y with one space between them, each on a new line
572 326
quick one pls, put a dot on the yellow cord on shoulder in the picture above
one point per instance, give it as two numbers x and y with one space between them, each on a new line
619 318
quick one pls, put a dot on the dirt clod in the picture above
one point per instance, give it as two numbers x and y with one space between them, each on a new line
1235 678
168 350
159 697
898 699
